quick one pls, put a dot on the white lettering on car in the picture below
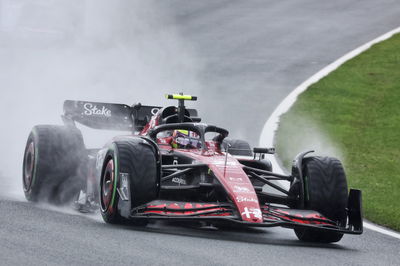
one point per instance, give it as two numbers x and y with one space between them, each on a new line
240 189
245 199
236 179
252 212
91 109
178 180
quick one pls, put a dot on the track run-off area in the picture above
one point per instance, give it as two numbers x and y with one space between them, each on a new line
270 127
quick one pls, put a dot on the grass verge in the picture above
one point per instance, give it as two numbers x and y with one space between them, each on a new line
354 114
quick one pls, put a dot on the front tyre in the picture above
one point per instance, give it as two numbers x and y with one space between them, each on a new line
108 192
325 189
135 160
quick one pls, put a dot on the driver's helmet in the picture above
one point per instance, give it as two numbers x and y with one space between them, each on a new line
184 139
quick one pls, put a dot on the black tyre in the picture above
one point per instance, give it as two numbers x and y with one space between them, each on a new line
51 166
237 147
135 159
325 188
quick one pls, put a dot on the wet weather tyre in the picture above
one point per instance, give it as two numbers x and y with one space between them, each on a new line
135 160
51 166
237 147
326 191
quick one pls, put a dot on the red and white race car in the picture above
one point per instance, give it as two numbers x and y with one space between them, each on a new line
172 166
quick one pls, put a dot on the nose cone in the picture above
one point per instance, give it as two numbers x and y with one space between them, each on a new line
246 201
240 189
242 193
237 184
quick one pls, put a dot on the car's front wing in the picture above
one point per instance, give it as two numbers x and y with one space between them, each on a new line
272 215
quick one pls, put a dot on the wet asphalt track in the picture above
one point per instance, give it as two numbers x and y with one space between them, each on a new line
255 53
37 236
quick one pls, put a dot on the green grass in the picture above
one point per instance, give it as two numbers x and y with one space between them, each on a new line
354 114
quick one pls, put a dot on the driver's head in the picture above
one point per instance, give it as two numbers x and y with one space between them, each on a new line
185 139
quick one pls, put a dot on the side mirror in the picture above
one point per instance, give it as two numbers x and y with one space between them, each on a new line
264 150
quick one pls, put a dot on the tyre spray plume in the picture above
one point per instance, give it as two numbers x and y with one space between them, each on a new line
94 50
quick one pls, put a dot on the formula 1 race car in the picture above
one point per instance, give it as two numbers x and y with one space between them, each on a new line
171 166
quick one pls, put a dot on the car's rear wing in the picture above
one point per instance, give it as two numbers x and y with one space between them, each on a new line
111 116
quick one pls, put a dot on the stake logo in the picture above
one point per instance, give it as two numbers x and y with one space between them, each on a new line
236 179
240 189
245 199
91 109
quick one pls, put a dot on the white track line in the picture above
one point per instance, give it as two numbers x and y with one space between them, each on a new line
381 229
270 127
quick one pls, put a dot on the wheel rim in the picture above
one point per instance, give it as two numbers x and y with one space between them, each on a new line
107 185
29 166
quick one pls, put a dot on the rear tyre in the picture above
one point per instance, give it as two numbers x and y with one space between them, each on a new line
237 147
325 189
136 160
51 166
